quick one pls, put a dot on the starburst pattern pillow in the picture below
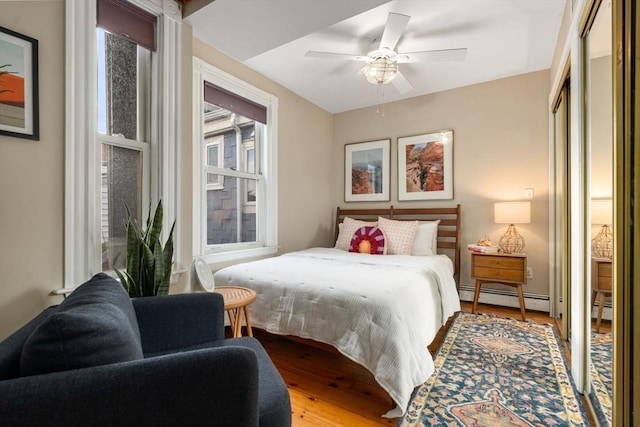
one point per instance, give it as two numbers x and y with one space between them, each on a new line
368 240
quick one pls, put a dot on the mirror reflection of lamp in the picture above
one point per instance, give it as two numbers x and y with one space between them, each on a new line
602 214
512 213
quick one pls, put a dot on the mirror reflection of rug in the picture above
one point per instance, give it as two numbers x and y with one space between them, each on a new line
601 377
497 372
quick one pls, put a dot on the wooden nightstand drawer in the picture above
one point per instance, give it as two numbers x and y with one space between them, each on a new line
602 274
499 261
501 268
498 274
604 269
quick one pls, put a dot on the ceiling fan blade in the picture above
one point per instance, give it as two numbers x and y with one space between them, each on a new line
396 23
401 83
332 55
434 55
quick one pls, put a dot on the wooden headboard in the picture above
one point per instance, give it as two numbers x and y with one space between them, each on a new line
448 229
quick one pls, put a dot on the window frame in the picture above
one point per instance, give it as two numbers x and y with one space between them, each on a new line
266 239
218 141
83 164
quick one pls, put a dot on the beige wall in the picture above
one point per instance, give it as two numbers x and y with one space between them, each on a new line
500 148
32 177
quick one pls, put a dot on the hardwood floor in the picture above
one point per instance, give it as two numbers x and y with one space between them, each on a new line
327 389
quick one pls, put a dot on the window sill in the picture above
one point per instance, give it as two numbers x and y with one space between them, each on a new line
239 255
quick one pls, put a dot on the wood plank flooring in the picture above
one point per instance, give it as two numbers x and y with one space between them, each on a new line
327 389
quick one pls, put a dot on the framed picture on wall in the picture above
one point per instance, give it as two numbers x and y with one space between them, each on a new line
425 166
366 171
18 85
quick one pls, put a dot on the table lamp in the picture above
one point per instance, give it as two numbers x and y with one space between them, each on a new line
602 214
511 213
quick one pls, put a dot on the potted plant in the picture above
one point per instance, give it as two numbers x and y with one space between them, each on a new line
148 262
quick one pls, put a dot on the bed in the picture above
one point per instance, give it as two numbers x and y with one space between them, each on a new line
379 311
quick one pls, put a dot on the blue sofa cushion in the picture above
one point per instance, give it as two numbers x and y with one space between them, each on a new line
95 325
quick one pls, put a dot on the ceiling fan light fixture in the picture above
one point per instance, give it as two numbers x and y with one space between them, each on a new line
381 70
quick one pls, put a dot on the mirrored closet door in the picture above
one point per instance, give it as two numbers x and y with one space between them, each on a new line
599 204
561 308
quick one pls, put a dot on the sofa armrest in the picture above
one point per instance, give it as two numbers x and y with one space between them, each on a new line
177 321
217 386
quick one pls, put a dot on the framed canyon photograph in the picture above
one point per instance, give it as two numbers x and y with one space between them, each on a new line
18 85
425 166
366 171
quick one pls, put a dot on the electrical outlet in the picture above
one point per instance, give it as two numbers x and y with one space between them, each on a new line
529 273
528 193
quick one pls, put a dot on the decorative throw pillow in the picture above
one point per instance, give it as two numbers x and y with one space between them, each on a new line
349 226
426 241
368 240
400 235
95 325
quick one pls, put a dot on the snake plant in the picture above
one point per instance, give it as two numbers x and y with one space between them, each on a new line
148 263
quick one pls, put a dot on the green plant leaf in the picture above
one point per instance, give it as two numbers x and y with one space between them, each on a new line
167 258
148 268
149 265
154 229
133 253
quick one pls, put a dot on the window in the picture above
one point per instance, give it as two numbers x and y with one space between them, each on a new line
121 130
234 146
123 120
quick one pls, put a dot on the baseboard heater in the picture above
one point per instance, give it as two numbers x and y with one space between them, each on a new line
505 298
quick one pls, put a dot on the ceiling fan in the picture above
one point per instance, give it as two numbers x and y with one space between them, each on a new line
382 62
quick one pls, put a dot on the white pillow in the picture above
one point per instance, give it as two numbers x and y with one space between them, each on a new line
346 230
426 241
399 235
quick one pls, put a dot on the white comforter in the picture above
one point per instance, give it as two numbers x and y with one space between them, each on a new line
379 311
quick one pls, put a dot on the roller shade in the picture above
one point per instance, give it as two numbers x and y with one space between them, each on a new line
230 101
121 18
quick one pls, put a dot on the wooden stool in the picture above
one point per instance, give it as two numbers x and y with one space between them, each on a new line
236 302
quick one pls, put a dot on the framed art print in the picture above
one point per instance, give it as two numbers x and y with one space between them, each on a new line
425 166
18 85
366 171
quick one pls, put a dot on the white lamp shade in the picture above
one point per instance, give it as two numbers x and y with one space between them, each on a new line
512 212
601 212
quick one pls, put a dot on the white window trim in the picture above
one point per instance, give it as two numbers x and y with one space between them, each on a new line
219 141
246 146
82 155
268 229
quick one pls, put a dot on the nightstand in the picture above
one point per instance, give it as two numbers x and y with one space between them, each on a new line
601 279
507 269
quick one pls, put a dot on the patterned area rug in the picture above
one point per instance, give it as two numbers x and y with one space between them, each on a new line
601 377
497 372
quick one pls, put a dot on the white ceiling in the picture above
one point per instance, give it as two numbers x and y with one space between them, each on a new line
503 38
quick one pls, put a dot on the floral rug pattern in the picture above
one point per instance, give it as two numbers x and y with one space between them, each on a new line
497 372
601 377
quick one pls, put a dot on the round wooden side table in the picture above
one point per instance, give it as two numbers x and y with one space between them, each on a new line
236 302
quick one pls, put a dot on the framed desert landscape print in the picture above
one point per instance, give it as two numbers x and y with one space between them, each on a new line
366 171
425 166
18 85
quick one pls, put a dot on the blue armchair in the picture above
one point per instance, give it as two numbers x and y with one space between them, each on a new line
100 358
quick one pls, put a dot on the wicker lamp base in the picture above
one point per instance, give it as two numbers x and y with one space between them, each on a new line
602 244
511 242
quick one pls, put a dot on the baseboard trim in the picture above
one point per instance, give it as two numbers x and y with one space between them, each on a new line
531 302
537 303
